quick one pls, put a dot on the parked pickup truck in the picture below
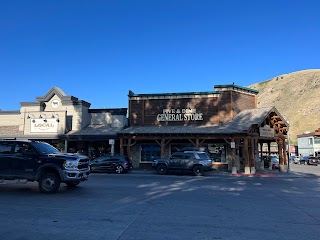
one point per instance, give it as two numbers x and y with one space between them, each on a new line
195 161
41 162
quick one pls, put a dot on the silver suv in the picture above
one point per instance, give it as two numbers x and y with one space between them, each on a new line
195 161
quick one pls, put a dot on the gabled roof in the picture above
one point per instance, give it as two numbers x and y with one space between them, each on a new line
61 94
53 91
246 118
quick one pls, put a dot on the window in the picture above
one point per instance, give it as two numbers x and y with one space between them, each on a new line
316 140
149 152
5 147
23 148
310 142
203 155
217 152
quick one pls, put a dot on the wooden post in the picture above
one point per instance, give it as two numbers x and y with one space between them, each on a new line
285 158
129 149
280 151
197 142
246 156
121 147
252 162
233 155
163 145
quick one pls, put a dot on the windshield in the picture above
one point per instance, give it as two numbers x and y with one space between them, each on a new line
203 155
44 148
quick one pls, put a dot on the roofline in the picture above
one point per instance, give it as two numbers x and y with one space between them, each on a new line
132 94
113 111
218 90
233 87
14 112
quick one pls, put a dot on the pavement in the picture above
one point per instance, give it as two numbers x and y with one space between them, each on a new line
259 173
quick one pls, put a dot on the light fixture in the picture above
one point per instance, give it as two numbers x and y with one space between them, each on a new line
30 116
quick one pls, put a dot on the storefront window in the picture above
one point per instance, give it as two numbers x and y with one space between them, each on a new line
217 152
149 152
178 147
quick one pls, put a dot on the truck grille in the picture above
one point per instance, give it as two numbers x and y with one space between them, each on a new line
83 164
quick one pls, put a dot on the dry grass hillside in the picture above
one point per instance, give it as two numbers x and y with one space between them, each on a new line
297 97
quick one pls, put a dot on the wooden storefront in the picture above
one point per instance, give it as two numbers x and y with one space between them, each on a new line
226 116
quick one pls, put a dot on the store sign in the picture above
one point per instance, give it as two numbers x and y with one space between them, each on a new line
176 115
266 131
44 125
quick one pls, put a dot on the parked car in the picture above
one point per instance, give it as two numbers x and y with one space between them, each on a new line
310 160
275 161
111 163
296 159
196 162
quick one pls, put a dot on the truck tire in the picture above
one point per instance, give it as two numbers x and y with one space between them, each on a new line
197 170
49 183
162 169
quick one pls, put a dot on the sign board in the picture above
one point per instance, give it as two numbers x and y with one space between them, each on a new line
233 145
111 141
176 115
44 125
266 131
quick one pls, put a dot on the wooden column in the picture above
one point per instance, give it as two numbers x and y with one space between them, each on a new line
246 156
261 151
121 147
197 142
233 155
285 158
280 151
252 162
129 149
163 145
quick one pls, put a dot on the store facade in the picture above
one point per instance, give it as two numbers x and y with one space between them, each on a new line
226 122
65 122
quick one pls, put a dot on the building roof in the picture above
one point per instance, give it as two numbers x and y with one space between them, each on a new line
94 131
218 90
240 124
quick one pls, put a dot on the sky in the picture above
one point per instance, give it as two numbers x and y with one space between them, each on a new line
98 50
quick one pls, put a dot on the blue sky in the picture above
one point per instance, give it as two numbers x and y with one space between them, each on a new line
99 50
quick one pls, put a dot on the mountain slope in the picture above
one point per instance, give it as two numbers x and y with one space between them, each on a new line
297 96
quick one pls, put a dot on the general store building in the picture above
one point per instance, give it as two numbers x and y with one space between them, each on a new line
226 122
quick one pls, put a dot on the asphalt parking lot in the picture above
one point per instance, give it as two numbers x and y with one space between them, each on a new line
144 205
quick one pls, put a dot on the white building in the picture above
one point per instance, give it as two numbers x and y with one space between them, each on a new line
65 122
309 143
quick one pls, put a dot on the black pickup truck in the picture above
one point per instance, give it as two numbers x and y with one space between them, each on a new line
41 162
195 161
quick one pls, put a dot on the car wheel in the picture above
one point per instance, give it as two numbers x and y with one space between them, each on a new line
162 169
197 170
119 169
72 184
49 183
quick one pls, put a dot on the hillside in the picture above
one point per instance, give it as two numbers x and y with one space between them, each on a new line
297 97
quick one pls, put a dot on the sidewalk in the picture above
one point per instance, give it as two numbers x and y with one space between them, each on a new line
259 173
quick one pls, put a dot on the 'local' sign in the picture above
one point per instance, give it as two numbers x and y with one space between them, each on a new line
175 115
44 125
